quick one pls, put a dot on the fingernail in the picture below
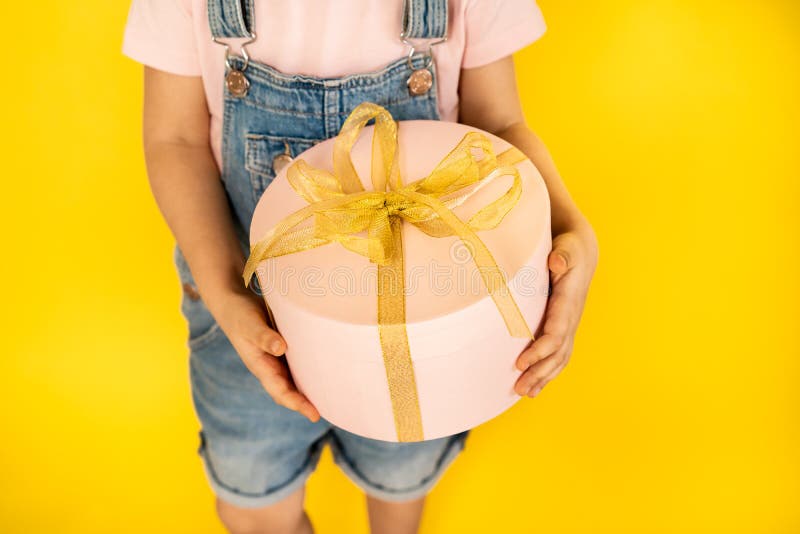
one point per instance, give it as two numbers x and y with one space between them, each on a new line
277 348
535 391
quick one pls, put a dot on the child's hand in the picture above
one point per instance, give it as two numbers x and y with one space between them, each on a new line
571 262
185 181
260 347
489 99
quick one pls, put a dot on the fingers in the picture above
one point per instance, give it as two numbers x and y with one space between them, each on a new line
260 347
544 381
271 342
566 250
549 353
537 386
555 333
262 336
558 317
558 262
539 374
540 349
274 377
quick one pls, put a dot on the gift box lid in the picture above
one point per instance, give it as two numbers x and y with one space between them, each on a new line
333 282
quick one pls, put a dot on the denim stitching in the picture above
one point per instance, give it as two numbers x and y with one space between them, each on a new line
457 439
425 19
239 22
258 136
226 135
293 113
252 150
259 166
219 13
419 21
250 15
206 338
441 17
314 450
274 77
213 19
240 18
412 20
378 83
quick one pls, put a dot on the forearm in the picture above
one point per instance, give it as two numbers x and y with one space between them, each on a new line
565 214
185 183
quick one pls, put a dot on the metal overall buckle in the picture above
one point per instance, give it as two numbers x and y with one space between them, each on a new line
421 79
235 80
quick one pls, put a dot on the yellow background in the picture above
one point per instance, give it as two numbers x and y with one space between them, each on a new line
675 125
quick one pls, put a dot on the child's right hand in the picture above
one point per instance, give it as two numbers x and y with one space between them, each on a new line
244 321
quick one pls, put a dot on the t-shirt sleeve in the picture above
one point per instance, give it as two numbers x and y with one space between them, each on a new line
497 28
160 34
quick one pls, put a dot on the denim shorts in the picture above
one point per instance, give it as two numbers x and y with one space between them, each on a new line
256 453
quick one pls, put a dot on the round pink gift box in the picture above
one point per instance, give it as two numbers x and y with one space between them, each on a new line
325 305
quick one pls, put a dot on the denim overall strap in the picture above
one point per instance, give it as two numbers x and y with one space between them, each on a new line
231 18
424 19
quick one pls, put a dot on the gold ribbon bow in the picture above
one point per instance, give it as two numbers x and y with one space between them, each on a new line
343 212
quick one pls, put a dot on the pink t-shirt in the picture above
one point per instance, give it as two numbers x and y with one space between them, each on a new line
328 39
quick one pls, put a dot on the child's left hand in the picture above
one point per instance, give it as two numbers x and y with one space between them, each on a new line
572 263
489 100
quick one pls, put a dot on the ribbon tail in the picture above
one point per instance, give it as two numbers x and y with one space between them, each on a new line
263 249
490 272
394 343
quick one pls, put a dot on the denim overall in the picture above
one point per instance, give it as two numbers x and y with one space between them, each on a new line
255 452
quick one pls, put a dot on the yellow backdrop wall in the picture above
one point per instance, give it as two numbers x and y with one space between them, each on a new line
674 123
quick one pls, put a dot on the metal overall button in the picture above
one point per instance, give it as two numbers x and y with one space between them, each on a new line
237 83
280 161
421 79
235 80
419 82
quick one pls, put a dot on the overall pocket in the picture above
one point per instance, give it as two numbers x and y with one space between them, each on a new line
266 154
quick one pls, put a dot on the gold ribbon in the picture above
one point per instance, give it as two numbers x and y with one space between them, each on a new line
343 212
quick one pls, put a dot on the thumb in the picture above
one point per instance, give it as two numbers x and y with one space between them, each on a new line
270 341
562 258
259 329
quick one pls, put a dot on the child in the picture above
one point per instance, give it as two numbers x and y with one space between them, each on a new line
233 90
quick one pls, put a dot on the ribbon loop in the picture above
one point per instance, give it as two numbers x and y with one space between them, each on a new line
384 148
